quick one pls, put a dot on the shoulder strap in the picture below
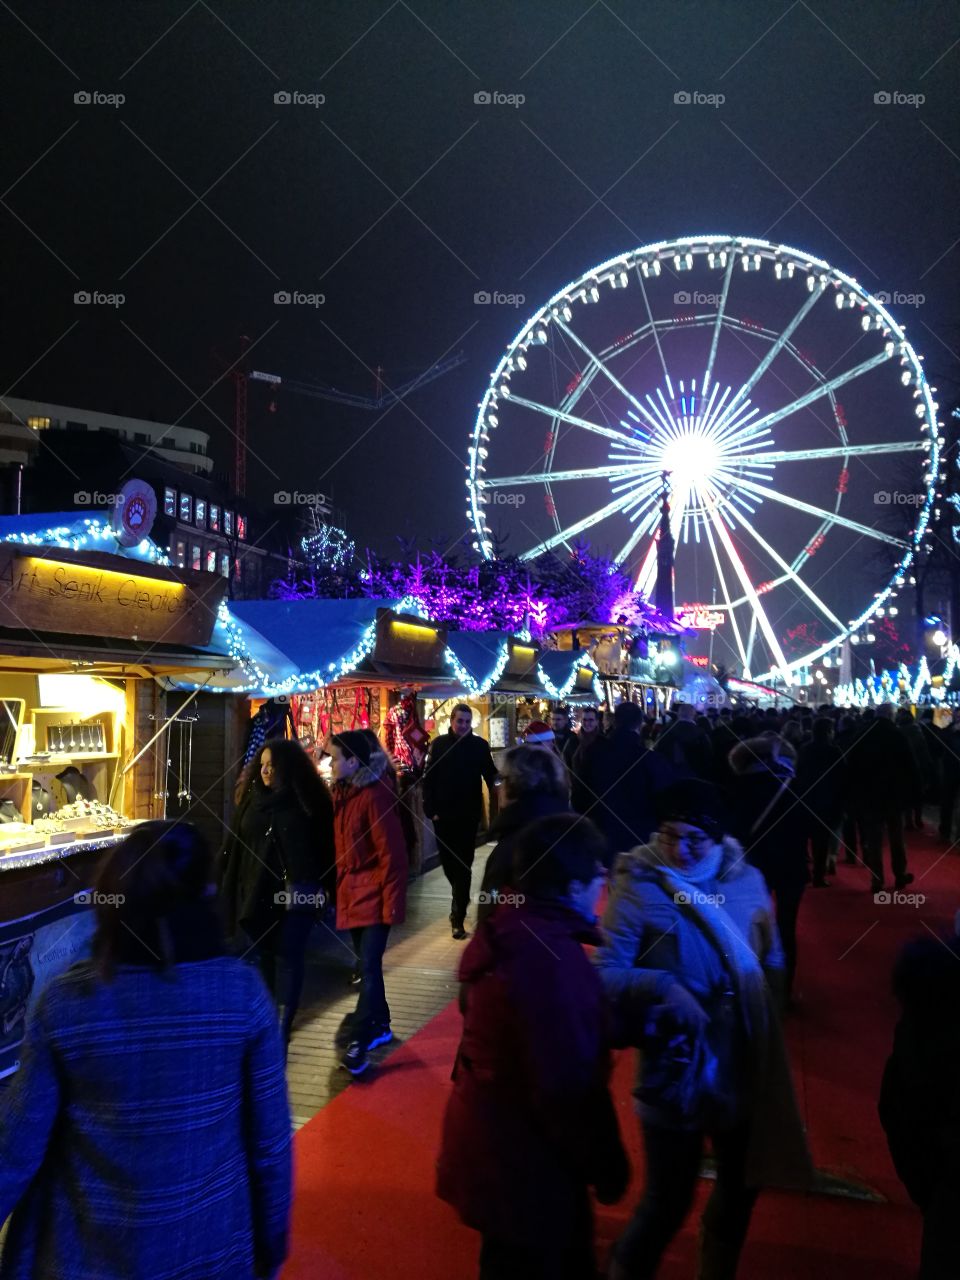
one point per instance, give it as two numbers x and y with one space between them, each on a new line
766 813
690 912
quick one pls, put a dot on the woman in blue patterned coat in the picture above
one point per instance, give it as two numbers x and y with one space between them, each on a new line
147 1133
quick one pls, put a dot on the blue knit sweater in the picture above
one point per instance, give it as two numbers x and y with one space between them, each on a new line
147 1133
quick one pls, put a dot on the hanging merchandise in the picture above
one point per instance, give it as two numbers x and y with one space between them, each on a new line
404 736
273 720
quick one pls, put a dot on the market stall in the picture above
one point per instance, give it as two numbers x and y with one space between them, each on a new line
87 624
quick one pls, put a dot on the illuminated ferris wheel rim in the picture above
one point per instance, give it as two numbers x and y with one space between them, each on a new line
648 262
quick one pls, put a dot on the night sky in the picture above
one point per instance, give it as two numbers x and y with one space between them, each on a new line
399 198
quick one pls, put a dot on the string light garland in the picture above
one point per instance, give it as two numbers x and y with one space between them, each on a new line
472 685
560 693
95 532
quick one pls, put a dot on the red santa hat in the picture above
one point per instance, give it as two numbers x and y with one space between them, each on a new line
537 731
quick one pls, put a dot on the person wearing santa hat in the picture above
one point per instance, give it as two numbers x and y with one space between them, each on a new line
539 733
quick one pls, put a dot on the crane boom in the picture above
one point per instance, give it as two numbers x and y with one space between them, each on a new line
322 391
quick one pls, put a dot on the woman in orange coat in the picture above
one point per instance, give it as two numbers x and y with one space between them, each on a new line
372 872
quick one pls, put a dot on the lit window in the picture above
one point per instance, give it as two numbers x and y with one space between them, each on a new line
225 564
196 557
214 517
228 523
211 560
181 554
186 509
169 502
39 424
241 527
201 513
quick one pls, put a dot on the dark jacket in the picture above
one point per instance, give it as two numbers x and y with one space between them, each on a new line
456 769
147 1134
372 862
771 824
580 797
274 844
688 749
821 785
920 1094
530 1122
879 766
623 778
498 873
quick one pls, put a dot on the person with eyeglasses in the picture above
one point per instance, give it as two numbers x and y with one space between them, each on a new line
690 961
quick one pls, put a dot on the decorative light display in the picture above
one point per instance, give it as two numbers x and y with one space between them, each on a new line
475 687
329 546
561 692
303 681
95 534
717 445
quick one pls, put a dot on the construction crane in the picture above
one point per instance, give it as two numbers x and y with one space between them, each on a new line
383 399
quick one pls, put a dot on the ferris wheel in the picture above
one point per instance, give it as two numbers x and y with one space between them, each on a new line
717 360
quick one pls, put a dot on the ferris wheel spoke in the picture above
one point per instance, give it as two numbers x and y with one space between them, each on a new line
832 517
644 523
621 503
717 327
763 621
610 432
751 639
653 325
708 530
595 359
823 390
777 347
548 477
793 575
834 451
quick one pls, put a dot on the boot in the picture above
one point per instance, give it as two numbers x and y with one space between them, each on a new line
717 1259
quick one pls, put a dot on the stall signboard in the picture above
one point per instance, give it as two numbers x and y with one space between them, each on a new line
702 617
521 659
51 590
33 950
408 643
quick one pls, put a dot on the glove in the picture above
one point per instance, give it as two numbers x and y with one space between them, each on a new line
686 1008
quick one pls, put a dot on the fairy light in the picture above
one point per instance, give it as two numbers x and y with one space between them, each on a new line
469 682
94 534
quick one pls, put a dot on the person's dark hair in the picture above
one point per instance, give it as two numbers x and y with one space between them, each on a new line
527 769
356 744
560 710
293 769
157 880
627 715
553 852
461 709
822 729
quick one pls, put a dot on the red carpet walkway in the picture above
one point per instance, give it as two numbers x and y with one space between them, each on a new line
364 1202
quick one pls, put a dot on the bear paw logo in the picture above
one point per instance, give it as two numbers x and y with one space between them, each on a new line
135 514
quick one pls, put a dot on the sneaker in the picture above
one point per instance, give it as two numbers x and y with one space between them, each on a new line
355 1058
382 1035
458 932
903 881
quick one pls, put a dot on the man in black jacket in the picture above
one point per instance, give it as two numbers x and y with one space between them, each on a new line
686 746
458 765
879 768
619 781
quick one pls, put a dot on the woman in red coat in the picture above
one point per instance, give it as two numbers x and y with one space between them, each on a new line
371 879
530 1126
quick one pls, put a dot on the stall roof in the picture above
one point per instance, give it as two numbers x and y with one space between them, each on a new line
558 674
312 634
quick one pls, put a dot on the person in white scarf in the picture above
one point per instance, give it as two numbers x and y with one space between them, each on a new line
690 941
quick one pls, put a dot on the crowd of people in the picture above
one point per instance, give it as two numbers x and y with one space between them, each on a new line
695 836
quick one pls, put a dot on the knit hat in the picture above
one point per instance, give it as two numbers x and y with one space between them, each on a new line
537 731
694 802
354 742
